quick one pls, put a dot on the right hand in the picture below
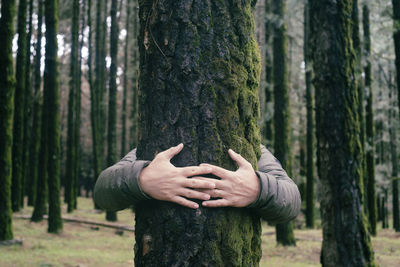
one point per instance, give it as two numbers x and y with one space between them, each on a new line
163 181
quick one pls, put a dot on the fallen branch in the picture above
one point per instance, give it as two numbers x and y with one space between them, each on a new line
11 242
83 221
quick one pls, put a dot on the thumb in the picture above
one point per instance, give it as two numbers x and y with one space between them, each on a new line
241 162
171 152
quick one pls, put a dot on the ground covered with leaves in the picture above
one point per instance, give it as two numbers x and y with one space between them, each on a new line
88 245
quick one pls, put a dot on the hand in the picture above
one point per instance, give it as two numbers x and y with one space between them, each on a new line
235 189
163 181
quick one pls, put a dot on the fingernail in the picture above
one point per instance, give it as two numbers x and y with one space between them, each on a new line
212 185
232 151
207 197
204 203
196 206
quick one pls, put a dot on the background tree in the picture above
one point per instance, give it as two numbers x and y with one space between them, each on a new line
370 128
185 81
39 179
269 111
112 156
346 240
310 205
396 38
72 142
7 87
51 116
19 104
284 232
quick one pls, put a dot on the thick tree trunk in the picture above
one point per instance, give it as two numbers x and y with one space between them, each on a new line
370 128
284 232
112 155
310 195
19 104
198 85
346 240
52 113
39 196
7 85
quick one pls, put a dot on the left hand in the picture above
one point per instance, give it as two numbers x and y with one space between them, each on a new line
235 189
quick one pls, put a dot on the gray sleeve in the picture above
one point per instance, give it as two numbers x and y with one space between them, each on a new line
279 199
117 187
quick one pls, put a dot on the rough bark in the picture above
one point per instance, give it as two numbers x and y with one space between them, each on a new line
51 114
310 195
346 240
19 104
112 155
198 85
284 232
39 196
7 85
369 127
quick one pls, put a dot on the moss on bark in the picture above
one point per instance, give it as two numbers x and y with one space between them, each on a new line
198 85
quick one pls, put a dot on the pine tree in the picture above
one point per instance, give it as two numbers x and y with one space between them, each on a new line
50 144
346 240
19 104
39 178
370 128
112 156
7 87
284 232
72 143
310 195
204 95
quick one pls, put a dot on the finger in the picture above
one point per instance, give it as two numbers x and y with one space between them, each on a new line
218 171
195 170
171 152
194 194
184 202
241 162
216 203
199 183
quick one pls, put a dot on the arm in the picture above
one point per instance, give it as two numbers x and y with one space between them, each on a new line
117 186
279 199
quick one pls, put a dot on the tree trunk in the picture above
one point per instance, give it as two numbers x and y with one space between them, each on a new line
126 70
396 38
269 110
19 104
346 240
112 156
198 85
7 85
38 174
310 195
370 128
70 170
284 232
51 114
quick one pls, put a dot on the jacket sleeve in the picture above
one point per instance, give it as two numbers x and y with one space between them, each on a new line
117 187
279 199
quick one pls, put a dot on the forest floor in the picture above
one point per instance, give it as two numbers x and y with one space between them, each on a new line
86 245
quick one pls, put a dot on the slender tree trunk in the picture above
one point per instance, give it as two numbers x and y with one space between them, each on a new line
19 104
396 38
135 66
38 166
385 219
27 110
7 85
52 113
346 240
284 232
202 94
269 110
126 69
370 128
112 155
70 170
310 195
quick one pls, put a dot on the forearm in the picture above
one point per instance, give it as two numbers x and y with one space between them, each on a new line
117 187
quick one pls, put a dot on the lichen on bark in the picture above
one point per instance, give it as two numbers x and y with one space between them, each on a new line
198 85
